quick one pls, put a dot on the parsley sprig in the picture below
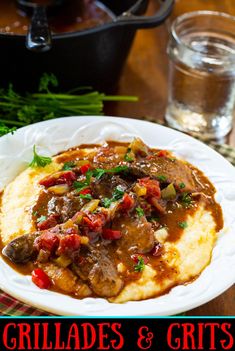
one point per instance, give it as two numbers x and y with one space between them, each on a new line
129 156
139 211
186 199
99 172
139 267
68 166
38 160
183 225
117 195
85 196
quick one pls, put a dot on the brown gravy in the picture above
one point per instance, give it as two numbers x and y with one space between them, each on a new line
73 16
175 213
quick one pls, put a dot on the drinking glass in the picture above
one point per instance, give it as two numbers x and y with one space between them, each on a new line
202 73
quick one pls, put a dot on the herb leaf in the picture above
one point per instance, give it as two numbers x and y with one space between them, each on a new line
128 157
106 202
118 194
85 196
39 161
186 199
99 172
154 219
80 185
139 211
47 80
183 225
41 219
139 267
68 166
182 185
161 178
5 130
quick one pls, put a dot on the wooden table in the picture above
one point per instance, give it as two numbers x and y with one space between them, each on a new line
145 75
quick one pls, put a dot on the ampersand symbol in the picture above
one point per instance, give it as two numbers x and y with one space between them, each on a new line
144 341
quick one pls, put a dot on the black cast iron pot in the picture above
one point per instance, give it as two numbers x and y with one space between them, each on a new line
93 57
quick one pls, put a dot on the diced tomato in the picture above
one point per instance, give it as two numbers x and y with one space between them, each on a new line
40 278
152 186
157 250
50 222
109 234
85 168
69 244
163 153
85 191
47 241
72 230
95 221
136 257
64 177
127 202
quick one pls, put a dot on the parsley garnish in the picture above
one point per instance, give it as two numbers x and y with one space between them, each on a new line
39 161
154 219
128 157
5 130
139 267
183 225
41 219
117 195
85 196
161 178
182 185
186 199
99 172
139 211
106 202
79 186
68 166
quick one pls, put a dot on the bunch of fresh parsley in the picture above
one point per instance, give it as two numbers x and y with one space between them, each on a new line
20 110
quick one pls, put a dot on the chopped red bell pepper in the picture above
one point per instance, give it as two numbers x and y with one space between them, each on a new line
110 234
69 244
127 202
50 222
63 177
47 241
85 191
152 186
40 278
163 153
135 258
85 168
95 221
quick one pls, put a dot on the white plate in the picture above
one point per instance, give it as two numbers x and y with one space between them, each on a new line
60 134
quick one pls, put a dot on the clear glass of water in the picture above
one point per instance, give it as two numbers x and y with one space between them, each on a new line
202 74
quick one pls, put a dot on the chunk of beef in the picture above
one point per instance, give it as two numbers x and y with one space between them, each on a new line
96 267
175 171
64 279
137 233
65 206
21 249
105 186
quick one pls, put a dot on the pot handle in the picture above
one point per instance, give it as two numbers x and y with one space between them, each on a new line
128 19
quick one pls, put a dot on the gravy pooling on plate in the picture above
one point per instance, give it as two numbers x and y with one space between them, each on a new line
119 221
